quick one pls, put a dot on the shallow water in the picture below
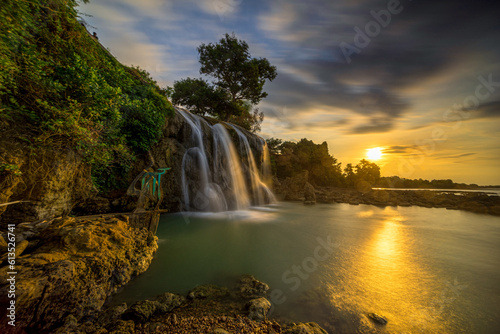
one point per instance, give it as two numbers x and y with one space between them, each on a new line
425 270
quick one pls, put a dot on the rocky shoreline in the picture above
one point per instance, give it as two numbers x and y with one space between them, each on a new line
242 308
68 267
477 202
299 189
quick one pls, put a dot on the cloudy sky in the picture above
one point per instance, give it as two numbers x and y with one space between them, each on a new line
419 79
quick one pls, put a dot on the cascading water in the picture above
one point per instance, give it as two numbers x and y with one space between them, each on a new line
226 161
212 177
260 192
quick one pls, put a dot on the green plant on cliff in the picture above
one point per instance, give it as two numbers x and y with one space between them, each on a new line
63 89
10 169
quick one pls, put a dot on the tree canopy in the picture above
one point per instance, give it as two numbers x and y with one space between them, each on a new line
237 83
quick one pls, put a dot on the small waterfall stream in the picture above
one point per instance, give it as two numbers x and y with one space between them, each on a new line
215 175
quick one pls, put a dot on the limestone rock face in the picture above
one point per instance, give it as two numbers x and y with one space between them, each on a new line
74 269
292 188
49 183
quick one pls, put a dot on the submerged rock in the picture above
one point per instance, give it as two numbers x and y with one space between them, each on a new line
250 287
207 291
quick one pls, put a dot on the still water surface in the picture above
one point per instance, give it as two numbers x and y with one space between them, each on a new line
425 270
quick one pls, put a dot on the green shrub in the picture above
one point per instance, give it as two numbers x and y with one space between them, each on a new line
62 84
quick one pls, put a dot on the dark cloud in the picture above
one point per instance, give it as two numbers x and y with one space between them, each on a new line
424 41
487 110
400 149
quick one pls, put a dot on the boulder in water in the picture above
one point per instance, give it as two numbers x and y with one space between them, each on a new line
378 318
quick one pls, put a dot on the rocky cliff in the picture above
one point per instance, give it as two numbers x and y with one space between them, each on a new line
48 181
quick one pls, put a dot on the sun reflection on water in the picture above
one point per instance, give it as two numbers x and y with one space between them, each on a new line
385 278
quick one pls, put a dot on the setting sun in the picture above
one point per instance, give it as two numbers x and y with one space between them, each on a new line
374 153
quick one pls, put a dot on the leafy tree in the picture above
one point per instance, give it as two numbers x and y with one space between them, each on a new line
238 82
367 171
349 175
230 63
293 158
274 145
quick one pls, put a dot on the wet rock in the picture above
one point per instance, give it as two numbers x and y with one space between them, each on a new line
249 287
168 301
141 311
306 328
207 291
258 309
309 194
111 314
377 318
123 327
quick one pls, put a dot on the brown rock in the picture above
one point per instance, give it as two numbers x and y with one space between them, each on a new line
76 268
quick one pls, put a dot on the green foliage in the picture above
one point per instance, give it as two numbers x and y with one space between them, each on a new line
10 169
290 159
230 63
293 158
199 97
238 83
365 171
68 90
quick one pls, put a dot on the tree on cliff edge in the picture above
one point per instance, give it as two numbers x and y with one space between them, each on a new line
237 86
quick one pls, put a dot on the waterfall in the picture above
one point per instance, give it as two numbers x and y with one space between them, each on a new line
259 190
215 176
